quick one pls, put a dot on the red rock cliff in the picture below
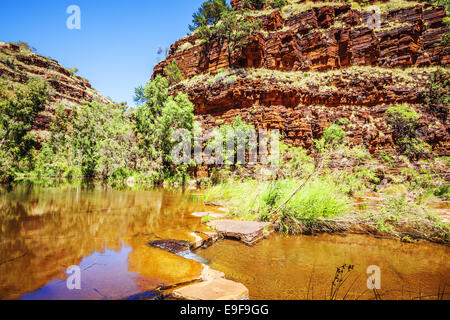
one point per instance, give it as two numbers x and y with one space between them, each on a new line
313 64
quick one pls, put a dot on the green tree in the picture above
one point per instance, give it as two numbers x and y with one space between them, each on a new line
18 110
209 14
94 140
236 31
158 117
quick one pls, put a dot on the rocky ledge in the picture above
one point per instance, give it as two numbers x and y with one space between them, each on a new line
301 105
313 63
18 65
310 36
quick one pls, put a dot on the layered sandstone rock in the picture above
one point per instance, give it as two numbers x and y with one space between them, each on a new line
18 66
302 105
313 65
324 38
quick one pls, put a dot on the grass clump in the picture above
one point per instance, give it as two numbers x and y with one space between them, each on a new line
319 199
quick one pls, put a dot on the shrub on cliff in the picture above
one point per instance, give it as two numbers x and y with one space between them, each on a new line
436 92
24 46
254 4
444 3
18 110
332 137
405 121
278 4
236 31
174 74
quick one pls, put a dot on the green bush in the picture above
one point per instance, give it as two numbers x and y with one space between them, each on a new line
443 192
436 91
405 121
174 74
254 4
295 161
18 110
334 135
72 71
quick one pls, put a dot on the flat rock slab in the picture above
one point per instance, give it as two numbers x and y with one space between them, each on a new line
214 215
215 289
249 232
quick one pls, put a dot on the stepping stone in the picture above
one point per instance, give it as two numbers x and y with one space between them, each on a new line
215 215
211 274
249 232
216 289
203 239
209 238
201 214
198 242
179 247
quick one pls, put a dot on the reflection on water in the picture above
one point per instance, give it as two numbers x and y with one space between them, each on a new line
105 232
303 267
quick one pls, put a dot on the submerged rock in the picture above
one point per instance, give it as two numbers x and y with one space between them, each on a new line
173 246
179 247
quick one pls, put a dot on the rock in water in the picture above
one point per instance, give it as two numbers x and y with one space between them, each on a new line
249 232
216 289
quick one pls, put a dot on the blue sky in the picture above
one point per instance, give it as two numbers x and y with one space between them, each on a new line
117 44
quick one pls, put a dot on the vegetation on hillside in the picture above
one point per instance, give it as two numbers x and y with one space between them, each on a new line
18 109
326 203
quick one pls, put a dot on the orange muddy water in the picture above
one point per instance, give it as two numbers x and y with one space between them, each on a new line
106 233
303 267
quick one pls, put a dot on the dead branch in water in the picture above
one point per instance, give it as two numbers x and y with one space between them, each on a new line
13 259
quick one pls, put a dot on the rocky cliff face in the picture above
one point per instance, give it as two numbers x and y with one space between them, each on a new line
323 38
313 63
18 66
